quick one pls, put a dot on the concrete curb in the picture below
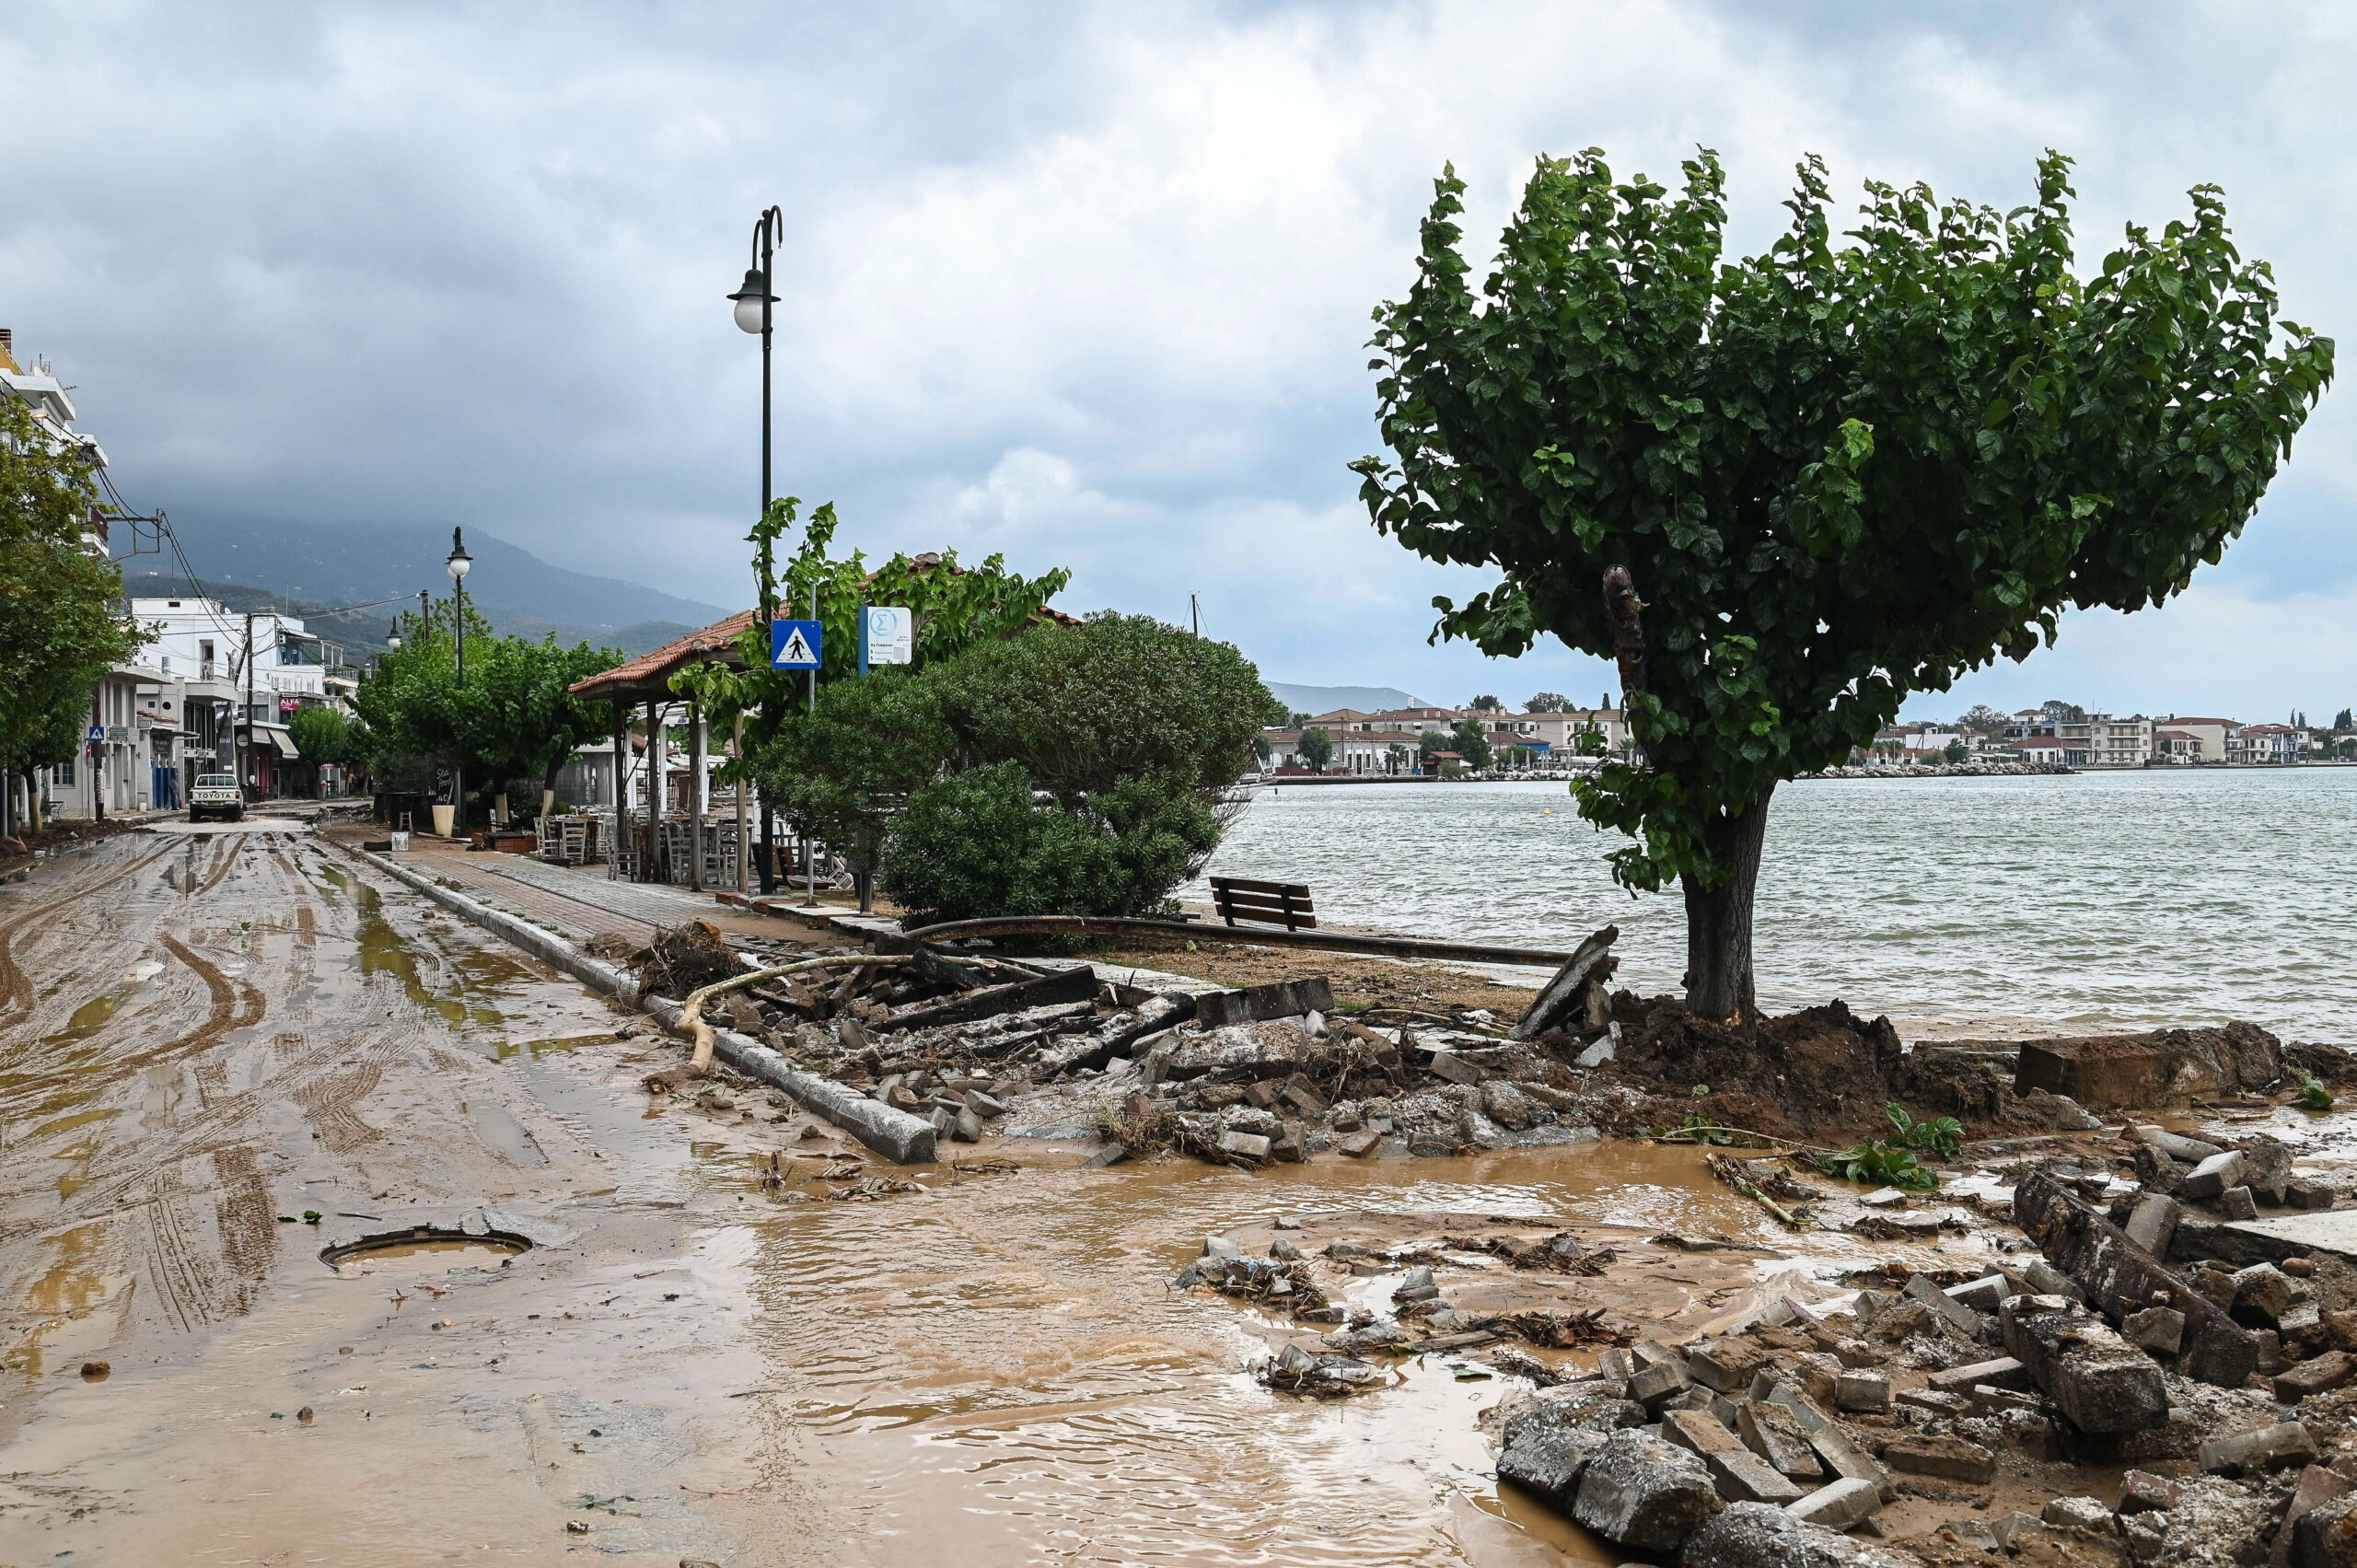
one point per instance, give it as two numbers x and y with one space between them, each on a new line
898 1136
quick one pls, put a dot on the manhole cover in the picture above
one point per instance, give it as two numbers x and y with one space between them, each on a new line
423 1249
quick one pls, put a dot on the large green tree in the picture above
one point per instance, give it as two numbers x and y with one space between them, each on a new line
512 717
1785 491
61 623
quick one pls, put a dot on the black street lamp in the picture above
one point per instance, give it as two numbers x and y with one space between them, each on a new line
458 563
756 312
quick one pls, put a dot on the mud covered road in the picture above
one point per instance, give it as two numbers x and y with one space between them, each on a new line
207 1035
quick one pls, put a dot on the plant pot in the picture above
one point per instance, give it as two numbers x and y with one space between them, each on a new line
442 817
515 843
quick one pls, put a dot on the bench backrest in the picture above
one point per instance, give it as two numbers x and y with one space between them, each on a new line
1263 903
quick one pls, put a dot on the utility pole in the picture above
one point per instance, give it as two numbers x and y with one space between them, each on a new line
245 759
1195 611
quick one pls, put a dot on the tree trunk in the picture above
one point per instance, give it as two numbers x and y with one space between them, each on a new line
1718 919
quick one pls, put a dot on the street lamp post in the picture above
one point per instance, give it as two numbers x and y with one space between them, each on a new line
756 305
457 563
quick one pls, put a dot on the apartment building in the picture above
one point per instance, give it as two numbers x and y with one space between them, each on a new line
2109 742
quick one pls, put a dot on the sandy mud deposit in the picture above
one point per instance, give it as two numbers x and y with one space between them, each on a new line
386 1246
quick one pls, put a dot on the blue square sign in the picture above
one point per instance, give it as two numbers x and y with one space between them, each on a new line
794 644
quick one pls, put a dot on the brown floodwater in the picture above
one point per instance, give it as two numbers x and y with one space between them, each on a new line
1000 1364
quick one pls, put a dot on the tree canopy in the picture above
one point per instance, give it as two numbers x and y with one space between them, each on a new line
1547 702
514 718
1785 491
1315 748
62 627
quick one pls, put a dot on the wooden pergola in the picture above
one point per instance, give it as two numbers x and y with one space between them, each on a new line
646 680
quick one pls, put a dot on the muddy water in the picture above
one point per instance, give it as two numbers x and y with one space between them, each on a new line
1001 1364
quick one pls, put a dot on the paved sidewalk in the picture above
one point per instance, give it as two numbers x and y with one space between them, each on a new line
579 902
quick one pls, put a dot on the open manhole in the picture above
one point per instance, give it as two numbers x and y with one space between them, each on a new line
424 1248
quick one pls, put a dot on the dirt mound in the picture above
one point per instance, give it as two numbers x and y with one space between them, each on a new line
1820 1075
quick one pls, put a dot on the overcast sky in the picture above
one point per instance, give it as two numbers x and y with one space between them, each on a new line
1085 284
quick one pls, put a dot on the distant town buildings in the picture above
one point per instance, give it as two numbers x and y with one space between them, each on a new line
2059 736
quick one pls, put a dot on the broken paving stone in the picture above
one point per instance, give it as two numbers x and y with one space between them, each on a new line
1861 1391
1755 1535
2318 1485
1250 1145
1726 1365
2152 1223
2213 1176
1653 1385
2265 1291
1700 1432
1772 1433
1642 1492
1949 1459
2099 1381
2319 1375
1838 1504
2268 1448
1938 1401
1982 1294
2160 1329
2237 1203
1885 1198
1358 1146
1743 1476
2079 1514
2142 1491
1549 1461
1960 1316
2004 1372
2011 1528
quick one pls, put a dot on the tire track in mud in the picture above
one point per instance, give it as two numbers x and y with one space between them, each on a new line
247 1224
16 991
231 847
176 1266
235 1006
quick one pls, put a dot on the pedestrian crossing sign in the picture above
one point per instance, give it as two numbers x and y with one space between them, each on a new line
794 644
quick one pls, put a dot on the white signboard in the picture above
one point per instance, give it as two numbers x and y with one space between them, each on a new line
889 634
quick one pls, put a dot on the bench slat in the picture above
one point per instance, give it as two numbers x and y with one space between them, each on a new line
1244 885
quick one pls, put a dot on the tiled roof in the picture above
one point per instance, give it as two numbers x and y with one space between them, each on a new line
650 674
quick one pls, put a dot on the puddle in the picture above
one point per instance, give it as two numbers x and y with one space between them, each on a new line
87 1019
507 1050
469 975
64 1300
504 1136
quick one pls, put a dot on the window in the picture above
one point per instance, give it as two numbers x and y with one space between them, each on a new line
64 775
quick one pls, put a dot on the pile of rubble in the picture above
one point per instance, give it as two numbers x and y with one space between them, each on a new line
1268 1073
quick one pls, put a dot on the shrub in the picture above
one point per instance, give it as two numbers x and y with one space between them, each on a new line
979 843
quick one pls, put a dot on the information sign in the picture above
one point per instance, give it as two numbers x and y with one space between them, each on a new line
794 644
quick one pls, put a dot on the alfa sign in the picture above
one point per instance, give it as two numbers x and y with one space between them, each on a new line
796 645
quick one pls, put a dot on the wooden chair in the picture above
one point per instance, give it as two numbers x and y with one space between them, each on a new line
1263 903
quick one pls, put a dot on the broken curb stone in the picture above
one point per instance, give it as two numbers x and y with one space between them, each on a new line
1642 1492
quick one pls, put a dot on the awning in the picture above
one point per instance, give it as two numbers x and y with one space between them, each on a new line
283 741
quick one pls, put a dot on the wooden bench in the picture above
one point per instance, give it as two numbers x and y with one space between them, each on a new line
1263 903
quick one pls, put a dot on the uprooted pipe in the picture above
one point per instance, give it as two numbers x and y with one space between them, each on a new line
691 1022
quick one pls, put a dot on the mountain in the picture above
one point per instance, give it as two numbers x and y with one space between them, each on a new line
338 563
1326 699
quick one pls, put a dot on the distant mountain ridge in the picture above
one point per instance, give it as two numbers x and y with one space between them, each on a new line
336 564
1326 699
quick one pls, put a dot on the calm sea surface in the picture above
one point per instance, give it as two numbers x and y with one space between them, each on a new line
2130 900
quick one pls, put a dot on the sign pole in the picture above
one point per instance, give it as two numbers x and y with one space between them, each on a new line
810 844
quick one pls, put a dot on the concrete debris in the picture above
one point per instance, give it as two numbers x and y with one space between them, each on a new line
2097 1380
1754 1534
1642 1492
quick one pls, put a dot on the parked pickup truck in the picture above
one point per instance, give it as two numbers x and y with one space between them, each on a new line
215 794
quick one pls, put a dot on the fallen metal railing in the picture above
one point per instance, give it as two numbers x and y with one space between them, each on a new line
1258 937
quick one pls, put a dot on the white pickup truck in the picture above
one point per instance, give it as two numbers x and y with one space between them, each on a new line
215 794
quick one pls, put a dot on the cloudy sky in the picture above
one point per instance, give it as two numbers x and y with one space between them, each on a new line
1085 284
